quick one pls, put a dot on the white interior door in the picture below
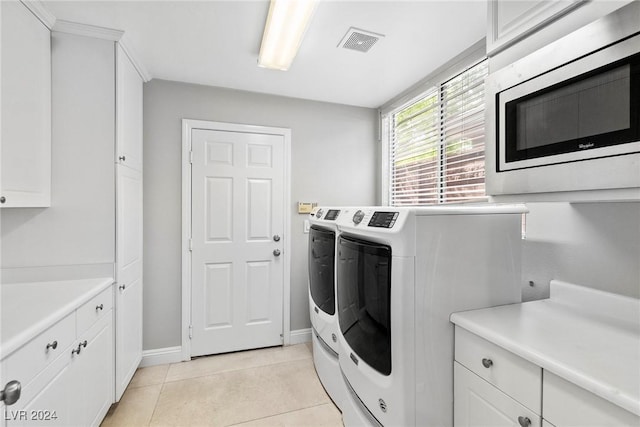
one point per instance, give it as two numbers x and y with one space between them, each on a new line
237 219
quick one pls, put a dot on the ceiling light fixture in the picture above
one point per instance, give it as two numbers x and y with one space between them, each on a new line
286 24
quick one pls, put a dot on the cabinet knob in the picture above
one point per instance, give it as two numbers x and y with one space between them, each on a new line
100 307
122 158
11 392
122 287
3 199
52 345
487 363
524 421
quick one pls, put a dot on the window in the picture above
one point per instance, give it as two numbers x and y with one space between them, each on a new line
436 143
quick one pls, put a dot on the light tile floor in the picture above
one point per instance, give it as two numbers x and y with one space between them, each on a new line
258 388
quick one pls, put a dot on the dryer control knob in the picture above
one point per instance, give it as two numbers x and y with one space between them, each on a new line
358 217
319 213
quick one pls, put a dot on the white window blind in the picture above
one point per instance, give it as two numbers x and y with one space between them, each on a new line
437 143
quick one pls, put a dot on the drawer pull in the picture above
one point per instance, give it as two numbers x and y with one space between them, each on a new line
487 363
100 307
524 421
79 349
11 393
52 345
122 287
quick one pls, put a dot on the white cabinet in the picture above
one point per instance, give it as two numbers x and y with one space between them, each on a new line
26 108
493 386
478 403
128 112
128 222
66 372
566 404
510 21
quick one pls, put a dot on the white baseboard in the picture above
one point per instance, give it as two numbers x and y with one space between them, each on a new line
300 336
161 356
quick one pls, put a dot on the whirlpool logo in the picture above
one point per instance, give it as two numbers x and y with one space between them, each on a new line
586 146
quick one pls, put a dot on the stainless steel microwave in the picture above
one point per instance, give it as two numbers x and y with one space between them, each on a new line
586 109
566 118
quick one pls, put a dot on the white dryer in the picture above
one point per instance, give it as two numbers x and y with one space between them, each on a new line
323 233
401 272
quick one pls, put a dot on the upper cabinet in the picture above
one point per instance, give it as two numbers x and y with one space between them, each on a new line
129 112
510 21
26 108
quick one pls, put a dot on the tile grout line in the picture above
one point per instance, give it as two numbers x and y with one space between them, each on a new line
155 405
283 413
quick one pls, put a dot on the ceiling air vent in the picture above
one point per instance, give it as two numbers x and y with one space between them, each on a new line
360 40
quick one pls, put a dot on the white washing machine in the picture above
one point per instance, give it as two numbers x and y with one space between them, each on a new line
400 273
323 233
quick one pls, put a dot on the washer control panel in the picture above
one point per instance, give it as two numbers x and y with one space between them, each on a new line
383 219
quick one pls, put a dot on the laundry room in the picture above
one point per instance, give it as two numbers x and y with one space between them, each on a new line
427 213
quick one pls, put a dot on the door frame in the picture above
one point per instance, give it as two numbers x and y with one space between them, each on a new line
188 125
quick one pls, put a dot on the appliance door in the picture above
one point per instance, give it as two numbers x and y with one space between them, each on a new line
322 247
586 109
364 300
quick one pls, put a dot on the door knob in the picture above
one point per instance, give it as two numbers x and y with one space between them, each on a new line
276 252
276 238
11 392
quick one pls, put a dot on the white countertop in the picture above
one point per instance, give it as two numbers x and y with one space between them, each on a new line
588 337
27 309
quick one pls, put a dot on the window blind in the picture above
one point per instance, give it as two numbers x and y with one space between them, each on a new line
437 143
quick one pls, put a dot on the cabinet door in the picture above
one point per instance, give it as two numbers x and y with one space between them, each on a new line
510 21
478 403
128 276
565 404
93 370
129 112
26 108
54 403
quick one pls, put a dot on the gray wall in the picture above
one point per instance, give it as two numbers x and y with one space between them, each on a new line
591 244
78 230
334 161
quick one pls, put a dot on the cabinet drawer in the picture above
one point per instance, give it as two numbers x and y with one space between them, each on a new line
94 309
566 404
513 375
28 361
478 403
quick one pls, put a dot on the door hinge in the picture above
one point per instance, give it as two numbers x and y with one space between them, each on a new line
190 331
191 157
190 244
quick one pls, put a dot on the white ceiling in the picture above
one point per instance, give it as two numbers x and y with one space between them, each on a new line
216 43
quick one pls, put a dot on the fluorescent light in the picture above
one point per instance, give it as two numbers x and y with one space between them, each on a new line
286 24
